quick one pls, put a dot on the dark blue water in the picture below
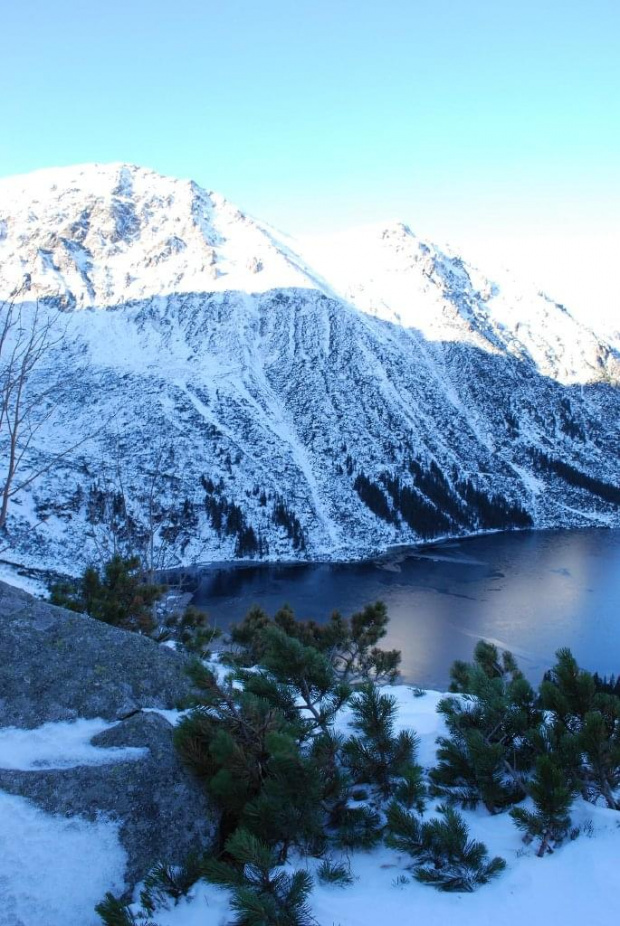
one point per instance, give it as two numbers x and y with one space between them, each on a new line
530 592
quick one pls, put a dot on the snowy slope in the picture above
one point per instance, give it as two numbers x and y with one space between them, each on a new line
105 235
260 385
55 870
574 885
392 274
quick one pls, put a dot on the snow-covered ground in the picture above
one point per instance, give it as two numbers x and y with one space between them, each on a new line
571 885
14 575
64 744
575 885
55 870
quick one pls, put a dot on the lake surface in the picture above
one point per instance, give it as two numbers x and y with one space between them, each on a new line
531 592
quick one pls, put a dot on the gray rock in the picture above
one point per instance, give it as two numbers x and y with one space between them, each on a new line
162 811
59 665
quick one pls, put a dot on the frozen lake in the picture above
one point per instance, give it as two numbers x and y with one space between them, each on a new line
530 592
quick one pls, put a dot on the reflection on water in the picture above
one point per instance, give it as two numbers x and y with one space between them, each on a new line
530 592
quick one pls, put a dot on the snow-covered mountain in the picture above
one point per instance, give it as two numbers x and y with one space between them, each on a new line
289 399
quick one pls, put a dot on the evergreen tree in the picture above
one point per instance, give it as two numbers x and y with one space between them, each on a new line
262 894
195 632
605 490
569 694
307 674
263 741
348 825
247 751
349 645
449 860
116 594
357 657
609 685
373 498
599 743
288 809
489 661
444 855
470 770
490 748
552 797
282 516
584 729
247 637
377 756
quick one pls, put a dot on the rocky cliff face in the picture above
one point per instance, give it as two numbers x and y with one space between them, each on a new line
288 401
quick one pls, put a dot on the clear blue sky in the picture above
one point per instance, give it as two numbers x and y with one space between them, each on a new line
484 120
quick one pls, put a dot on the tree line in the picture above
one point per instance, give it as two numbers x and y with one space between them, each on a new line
431 505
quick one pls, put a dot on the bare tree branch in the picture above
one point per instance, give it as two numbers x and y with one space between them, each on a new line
28 336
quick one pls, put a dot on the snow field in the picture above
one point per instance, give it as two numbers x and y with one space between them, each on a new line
54 870
60 745
575 885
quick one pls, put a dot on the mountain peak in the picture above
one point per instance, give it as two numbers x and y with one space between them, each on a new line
104 234
98 235
88 172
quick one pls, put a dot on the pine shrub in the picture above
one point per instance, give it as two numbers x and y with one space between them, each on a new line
491 726
262 894
350 645
376 756
449 860
552 797
117 593
248 752
584 729
337 873
443 854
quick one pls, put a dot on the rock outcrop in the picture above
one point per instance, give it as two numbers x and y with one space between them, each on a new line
58 666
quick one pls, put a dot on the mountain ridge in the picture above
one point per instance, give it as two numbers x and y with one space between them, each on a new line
316 403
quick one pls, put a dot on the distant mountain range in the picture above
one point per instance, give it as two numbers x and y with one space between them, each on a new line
241 394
